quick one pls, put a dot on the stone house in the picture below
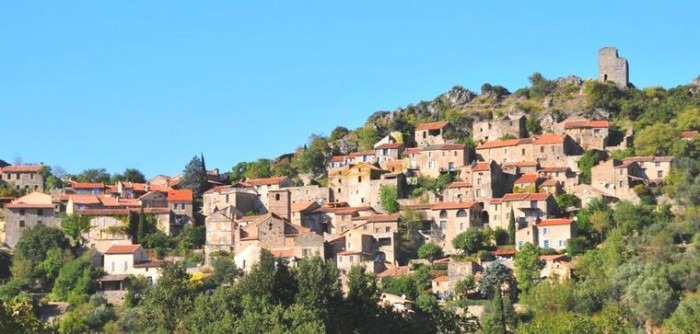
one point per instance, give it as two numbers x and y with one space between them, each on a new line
588 134
83 188
458 191
547 233
617 178
355 248
452 218
388 152
653 169
311 193
384 229
241 196
264 185
220 229
335 218
566 177
444 158
520 167
494 129
488 181
28 211
440 286
338 161
395 166
551 186
274 233
527 209
611 67
23 177
553 148
368 157
301 212
131 260
527 183
108 227
180 203
359 184
504 151
428 134
155 199
689 135
557 267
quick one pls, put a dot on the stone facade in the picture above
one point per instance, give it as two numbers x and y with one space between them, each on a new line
588 134
439 159
27 212
310 194
612 68
132 260
494 129
242 197
527 208
428 134
23 177
452 218
547 233
220 231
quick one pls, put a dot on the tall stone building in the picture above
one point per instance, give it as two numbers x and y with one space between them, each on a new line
612 68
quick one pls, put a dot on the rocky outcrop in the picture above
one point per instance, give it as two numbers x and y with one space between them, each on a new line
459 96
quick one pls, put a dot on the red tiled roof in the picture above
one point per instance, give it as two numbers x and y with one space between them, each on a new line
394 271
148 264
689 134
549 139
553 257
359 154
504 143
648 159
413 150
555 222
22 169
284 253
504 251
523 197
444 147
86 185
521 164
453 205
459 185
481 167
303 206
346 252
266 181
338 158
383 218
84 199
441 279
586 124
21 205
432 126
527 178
123 249
389 146
184 195
551 169
549 183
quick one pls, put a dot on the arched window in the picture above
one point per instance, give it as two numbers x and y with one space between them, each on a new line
461 213
277 197
443 214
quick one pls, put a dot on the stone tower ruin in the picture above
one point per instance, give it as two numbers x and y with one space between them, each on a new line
612 68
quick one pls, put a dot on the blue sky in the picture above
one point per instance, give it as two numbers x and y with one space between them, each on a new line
149 84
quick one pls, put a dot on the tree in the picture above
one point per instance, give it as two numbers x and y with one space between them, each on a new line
195 176
338 133
499 315
541 87
315 157
36 242
493 278
48 270
601 221
75 225
511 227
362 287
225 270
686 317
533 126
469 241
319 287
368 136
527 266
141 227
409 226
171 299
129 175
76 279
650 295
463 286
430 251
260 168
589 159
95 175
192 237
656 139
18 316
387 197
565 201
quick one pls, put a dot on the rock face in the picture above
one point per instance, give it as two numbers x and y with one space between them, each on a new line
459 96
696 81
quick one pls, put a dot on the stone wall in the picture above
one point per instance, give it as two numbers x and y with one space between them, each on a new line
30 218
612 68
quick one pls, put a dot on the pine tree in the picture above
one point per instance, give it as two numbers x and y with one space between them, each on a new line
195 176
511 227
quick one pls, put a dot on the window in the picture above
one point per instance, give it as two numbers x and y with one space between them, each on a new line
443 214
112 266
277 197
451 166
31 176
546 244
387 229
541 149
430 154
461 213
124 265
522 151
227 198
657 164
561 243
533 204
520 244
95 191
40 212
21 223
362 200
40 222
620 171
443 154
659 174
175 206
21 212
455 153
359 179
443 225
351 258
596 131
621 184
461 226
545 231
340 259
364 227
424 134
431 164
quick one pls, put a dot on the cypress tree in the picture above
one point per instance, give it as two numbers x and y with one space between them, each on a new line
511 227
140 229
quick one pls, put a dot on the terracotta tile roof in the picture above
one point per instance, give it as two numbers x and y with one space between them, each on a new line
504 252
21 169
549 183
413 150
394 271
148 264
555 222
34 200
184 195
104 212
383 218
481 167
443 260
85 185
389 146
527 178
364 164
394 163
359 154
420 206
113 278
338 158
444 147
303 206
551 169
432 126
347 252
266 181
217 189
84 199
549 139
504 143
441 279
454 185
283 253
21 205
453 205
586 124
689 134
521 164
123 249
648 159
523 197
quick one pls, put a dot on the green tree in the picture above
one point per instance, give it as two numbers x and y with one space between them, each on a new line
76 279
171 299
314 158
463 286
48 270
75 225
493 278
686 317
141 227
129 175
260 168
589 159
35 242
409 226
527 267
656 139
387 197
533 126
319 287
565 201
368 135
225 270
650 295
95 175
541 87
511 227
194 176
338 133
469 241
430 251
499 316
18 316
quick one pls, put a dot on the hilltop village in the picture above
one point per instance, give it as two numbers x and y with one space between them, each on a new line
430 198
